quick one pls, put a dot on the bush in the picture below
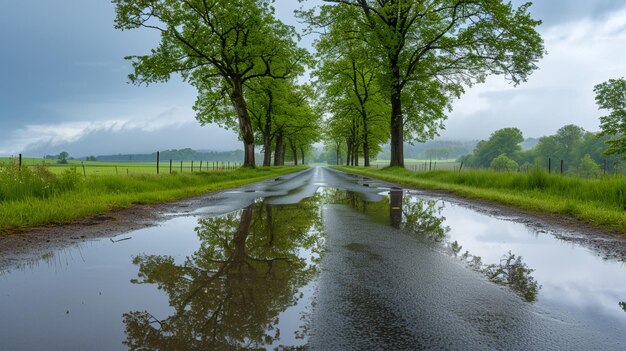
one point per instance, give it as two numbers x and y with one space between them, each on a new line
504 163
587 168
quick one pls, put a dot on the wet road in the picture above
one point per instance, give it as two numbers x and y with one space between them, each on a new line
320 260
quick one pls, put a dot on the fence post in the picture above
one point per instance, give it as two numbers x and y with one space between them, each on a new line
200 165
561 167
181 166
170 166
549 165
20 162
84 172
116 172
158 161
430 166
191 166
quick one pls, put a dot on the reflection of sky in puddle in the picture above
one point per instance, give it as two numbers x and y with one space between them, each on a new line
571 277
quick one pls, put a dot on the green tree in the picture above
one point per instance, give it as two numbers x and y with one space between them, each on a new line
346 77
587 168
428 51
62 158
504 141
611 96
217 46
504 164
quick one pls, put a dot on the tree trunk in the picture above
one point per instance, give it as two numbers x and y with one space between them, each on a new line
366 145
279 149
302 153
397 132
338 161
348 152
282 155
294 151
267 137
245 125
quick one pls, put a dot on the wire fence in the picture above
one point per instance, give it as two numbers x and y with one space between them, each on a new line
552 166
124 167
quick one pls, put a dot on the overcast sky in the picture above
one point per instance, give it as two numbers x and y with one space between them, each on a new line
63 81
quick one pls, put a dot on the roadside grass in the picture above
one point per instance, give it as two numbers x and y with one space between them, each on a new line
597 201
37 197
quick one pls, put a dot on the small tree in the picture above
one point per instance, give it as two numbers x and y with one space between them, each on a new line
504 163
588 168
611 96
62 158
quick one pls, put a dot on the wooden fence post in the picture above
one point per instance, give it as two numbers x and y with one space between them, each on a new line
561 167
549 165
116 172
158 161
20 162
170 166
191 166
200 165
181 166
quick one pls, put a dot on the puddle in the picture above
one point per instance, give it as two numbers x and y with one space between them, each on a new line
250 278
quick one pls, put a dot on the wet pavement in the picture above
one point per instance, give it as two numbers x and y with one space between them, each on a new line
320 260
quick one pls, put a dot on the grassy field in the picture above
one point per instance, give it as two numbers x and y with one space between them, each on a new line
123 168
37 196
597 201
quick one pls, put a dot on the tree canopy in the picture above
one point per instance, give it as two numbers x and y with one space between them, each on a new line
217 46
611 96
429 51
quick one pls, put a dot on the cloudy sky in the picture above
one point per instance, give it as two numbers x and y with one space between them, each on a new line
63 81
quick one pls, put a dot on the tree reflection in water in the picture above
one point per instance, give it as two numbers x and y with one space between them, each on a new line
423 218
230 292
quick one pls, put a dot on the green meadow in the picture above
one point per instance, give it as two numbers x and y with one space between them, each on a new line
46 195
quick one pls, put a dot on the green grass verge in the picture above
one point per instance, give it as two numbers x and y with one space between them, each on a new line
99 194
597 201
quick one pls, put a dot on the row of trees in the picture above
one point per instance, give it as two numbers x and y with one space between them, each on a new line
243 63
581 152
389 69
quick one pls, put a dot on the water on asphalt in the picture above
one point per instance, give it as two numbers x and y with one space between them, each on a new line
319 260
